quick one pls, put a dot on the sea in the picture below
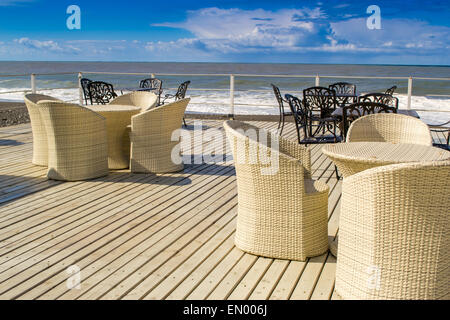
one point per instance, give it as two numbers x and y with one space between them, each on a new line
210 91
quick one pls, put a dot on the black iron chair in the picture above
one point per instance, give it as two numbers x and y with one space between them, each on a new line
283 113
354 111
101 92
84 85
154 84
320 103
301 118
391 90
151 83
382 98
345 93
443 128
300 114
180 94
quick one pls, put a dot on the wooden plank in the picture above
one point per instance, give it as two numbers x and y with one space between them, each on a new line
136 247
251 279
136 240
268 283
201 270
288 281
233 278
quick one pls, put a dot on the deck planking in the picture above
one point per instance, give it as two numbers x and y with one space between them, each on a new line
138 236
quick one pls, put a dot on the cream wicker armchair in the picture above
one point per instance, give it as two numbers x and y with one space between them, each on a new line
151 138
77 146
141 99
394 233
389 127
282 213
40 153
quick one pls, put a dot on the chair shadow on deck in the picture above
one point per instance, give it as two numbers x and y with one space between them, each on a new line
10 143
191 127
147 178
16 187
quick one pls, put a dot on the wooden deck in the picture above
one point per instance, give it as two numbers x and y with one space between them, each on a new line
142 236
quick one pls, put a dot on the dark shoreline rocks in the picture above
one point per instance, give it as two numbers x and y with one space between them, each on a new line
13 113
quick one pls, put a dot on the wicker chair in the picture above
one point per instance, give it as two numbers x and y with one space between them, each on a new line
390 127
40 150
151 138
394 232
77 146
282 214
141 99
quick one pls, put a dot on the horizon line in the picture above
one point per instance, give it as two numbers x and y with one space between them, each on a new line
210 62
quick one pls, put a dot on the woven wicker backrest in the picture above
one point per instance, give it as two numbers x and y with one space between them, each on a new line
35 98
162 120
260 155
143 100
152 147
62 118
40 154
389 127
394 233
77 143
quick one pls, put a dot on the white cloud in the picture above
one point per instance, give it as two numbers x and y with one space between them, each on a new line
37 44
224 31
250 28
395 34
218 34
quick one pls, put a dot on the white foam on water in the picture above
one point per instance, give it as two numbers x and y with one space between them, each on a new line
252 103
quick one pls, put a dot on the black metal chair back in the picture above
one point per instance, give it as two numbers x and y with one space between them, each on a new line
181 92
84 85
151 83
101 92
391 90
300 116
279 98
382 98
320 99
354 111
345 92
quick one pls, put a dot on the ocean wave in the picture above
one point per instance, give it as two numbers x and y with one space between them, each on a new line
251 103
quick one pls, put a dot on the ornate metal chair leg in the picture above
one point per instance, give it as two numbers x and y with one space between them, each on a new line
184 122
282 125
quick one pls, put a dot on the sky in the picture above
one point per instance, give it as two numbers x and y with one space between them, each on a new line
410 32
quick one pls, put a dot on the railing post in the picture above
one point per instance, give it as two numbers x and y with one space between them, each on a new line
80 89
317 80
33 83
410 88
231 114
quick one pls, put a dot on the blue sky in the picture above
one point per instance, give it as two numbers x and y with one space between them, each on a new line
412 32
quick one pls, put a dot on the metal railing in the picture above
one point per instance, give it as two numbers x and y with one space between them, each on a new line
232 78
